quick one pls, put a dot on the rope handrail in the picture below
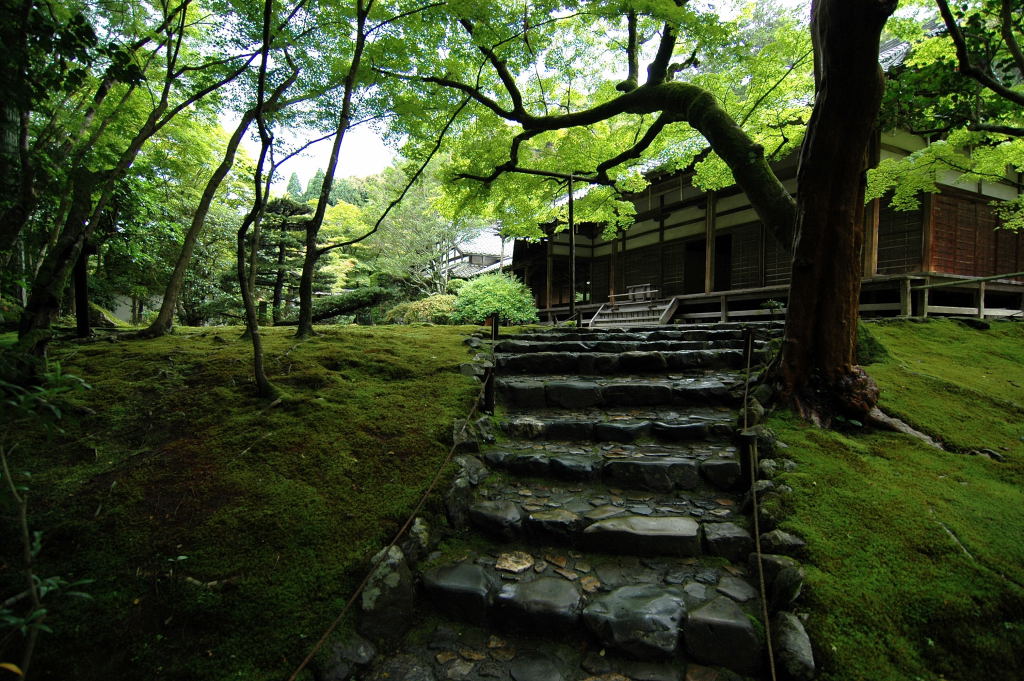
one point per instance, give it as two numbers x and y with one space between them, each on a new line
748 350
474 409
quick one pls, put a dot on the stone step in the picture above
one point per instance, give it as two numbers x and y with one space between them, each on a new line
611 425
683 518
649 466
630 345
573 392
456 649
589 363
659 611
654 333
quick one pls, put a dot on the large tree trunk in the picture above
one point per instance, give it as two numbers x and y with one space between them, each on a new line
818 366
165 318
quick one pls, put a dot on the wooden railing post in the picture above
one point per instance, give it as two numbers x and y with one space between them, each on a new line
981 300
906 307
924 299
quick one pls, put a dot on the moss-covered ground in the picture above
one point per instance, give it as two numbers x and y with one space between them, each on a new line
916 556
223 534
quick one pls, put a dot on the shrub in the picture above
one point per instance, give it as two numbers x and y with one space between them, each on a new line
498 295
434 309
454 285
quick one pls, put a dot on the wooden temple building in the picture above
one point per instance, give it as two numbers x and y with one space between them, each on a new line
693 255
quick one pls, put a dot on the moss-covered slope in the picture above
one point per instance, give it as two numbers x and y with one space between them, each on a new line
222 533
918 554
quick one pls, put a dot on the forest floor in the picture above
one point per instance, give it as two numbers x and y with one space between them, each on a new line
222 535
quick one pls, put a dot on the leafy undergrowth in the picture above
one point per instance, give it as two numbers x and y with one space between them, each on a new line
915 559
223 534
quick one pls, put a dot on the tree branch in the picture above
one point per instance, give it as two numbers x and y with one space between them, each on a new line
1006 27
633 60
659 71
408 186
502 68
549 174
638 148
792 67
1001 129
469 90
966 66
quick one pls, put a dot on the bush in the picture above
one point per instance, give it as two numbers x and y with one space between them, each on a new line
435 310
498 295
454 285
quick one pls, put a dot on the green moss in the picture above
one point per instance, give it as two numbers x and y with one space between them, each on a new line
275 509
959 384
915 566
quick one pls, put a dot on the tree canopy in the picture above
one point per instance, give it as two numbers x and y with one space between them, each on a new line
961 86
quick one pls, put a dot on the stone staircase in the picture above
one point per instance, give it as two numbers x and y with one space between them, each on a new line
603 538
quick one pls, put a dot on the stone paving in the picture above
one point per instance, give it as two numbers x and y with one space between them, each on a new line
603 537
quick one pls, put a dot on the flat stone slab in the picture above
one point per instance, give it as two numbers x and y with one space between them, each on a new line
722 472
462 590
556 522
720 633
657 473
502 518
544 604
728 540
642 620
674 536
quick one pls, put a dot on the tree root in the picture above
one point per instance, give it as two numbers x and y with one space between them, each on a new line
880 419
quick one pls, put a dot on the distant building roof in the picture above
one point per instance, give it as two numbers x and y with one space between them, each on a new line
486 242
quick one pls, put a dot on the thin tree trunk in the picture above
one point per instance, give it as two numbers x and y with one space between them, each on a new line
279 279
313 226
264 388
818 365
165 318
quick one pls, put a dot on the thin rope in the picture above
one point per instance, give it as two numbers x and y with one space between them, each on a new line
749 350
398 536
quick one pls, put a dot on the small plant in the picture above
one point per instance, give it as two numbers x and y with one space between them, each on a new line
22 404
495 295
772 306
434 309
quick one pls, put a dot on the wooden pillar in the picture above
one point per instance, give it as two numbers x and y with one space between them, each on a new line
871 217
981 300
611 269
661 242
906 308
924 299
709 244
927 232
549 272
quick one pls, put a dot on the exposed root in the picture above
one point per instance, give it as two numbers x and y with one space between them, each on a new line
880 419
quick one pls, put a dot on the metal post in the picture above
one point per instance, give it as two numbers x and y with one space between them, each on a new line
572 256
